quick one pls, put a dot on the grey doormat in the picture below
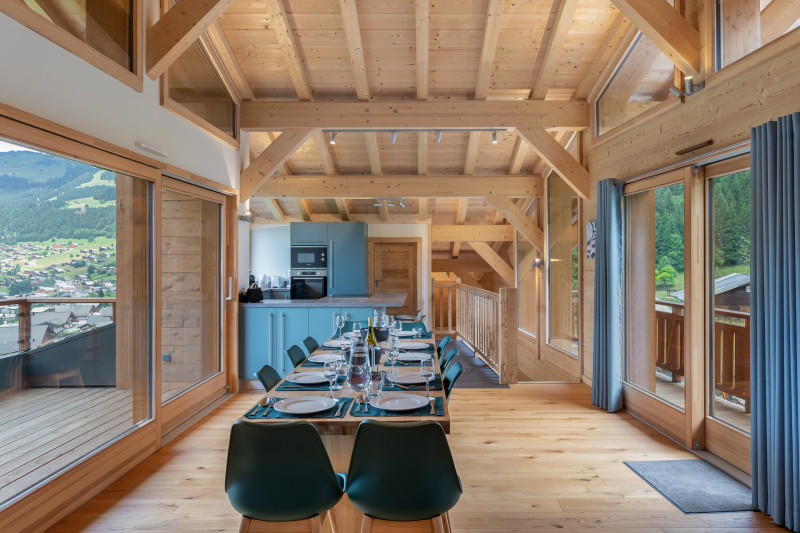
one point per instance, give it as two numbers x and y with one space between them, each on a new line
694 486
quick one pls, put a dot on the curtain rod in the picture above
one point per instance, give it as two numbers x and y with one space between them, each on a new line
707 158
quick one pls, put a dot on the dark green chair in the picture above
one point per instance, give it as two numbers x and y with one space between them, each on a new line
447 339
408 326
311 344
445 359
384 489
450 376
280 473
296 355
268 376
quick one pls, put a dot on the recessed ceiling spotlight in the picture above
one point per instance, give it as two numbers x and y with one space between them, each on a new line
394 137
438 136
494 137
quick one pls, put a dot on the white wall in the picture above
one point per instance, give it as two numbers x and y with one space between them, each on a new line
47 81
411 230
269 250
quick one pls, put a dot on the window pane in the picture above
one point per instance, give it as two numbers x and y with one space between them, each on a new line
528 261
73 376
744 26
730 343
562 214
194 84
105 25
190 293
641 82
655 295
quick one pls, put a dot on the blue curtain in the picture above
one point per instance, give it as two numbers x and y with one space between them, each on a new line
775 319
607 352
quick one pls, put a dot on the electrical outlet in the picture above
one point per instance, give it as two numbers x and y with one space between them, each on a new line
166 358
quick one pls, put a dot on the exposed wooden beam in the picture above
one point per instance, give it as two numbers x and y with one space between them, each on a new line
517 218
229 60
344 212
471 156
324 151
668 29
352 34
422 214
497 263
627 38
284 169
57 14
555 115
275 208
637 65
270 160
553 47
461 217
777 18
491 32
302 208
467 262
373 153
422 152
422 25
177 30
383 210
612 40
558 158
473 232
279 23
405 186
517 156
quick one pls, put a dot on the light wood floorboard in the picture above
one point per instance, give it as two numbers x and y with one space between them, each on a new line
533 457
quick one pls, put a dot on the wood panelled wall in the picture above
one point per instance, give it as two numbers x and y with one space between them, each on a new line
755 89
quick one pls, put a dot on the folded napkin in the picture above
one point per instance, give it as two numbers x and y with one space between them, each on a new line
422 411
257 412
436 384
292 386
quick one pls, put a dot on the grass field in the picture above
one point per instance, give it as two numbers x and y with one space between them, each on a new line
662 294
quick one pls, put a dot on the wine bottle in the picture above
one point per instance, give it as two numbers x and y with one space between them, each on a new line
371 335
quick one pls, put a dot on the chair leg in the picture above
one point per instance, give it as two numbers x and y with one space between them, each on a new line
316 524
438 525
366 524
332 519
244 527
448 527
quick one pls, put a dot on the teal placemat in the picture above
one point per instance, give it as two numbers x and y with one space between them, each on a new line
422 411
257 412
436 384
291 386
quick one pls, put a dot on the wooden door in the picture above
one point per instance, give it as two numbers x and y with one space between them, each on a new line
396 271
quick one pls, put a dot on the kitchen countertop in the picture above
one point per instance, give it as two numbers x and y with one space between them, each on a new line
389 299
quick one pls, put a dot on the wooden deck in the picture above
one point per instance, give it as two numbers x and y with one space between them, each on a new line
727 412
44 430
532 457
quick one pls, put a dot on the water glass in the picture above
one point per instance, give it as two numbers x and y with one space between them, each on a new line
417 333
331 371
391 356
376 387
427 372
341 368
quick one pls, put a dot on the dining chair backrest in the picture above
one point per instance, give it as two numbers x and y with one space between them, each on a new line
410 318
296 355
408 326
419 482
268 376
447 339
311 344
445 359
280 472
450 376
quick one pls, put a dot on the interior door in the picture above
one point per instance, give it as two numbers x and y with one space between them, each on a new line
396 271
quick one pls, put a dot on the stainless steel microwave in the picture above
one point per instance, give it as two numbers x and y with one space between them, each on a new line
315 257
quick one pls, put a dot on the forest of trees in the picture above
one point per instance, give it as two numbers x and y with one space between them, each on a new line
731 227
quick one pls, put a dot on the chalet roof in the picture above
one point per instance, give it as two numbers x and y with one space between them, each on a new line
721 285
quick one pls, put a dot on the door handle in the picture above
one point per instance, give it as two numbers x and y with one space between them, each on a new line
283 348
270 337
330 253
230 289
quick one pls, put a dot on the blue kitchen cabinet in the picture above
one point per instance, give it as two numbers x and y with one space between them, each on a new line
322 322
257 340
361 314
347 258
292 329
301 233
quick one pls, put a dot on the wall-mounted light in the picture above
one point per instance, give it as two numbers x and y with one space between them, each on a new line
148 148
689 86
333 137
438 136
494 137
393 138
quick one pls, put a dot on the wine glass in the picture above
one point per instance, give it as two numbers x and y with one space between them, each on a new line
391 356
340 320
342 367
331 372
357 328
427 372
417 333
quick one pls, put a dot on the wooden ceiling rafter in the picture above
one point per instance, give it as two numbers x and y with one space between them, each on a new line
777 18
177 29
561 161
668 29
494 260
302 208
231 63
553 47
520 220
473 232
615 38
270 160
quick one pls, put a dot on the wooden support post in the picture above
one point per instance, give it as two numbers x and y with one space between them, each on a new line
507 339
24 317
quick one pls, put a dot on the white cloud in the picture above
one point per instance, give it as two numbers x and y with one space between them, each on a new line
8 147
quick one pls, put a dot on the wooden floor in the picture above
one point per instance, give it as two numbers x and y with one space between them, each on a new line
532 457
44 430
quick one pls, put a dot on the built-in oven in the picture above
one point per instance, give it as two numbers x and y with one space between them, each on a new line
308 257
308 284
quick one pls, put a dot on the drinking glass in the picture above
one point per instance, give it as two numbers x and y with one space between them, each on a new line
343 368
331 372
340 320
417 333
391 356
358 376
357 328
427 372
375 388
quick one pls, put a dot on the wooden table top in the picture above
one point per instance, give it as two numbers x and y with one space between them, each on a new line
347 424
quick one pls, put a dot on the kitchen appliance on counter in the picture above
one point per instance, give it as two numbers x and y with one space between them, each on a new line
308 284
309 257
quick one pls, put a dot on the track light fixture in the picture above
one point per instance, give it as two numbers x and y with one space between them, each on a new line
438 136
494 137
333 137
394 137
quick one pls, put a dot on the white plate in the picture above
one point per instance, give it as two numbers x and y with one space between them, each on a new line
336 343
415 357
399 401
323 357
409 378
405 333
350 334
413 345
307 378
304 405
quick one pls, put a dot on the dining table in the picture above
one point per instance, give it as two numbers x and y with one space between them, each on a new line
338 430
